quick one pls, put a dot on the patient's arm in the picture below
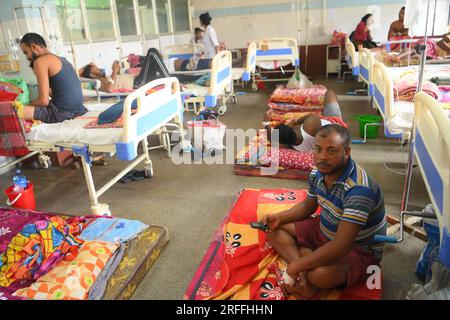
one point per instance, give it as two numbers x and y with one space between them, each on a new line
443 44
40 69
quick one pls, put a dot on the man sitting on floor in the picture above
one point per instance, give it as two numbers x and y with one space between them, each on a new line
300 133
56 78
336 248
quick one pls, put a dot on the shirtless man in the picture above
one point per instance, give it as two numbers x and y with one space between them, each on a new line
56 78
398 28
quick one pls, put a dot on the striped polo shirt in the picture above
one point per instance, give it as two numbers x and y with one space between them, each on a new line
355 197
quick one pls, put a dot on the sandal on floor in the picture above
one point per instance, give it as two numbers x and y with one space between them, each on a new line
128 177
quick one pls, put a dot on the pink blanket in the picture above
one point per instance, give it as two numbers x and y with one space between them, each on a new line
405 88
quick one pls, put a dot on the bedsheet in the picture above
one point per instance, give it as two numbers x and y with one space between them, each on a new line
73 131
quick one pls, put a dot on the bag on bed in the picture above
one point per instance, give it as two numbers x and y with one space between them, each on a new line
299 81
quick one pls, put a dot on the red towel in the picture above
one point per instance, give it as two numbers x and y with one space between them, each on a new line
12 139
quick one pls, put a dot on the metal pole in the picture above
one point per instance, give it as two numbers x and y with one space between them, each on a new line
434 16
72 46
408 179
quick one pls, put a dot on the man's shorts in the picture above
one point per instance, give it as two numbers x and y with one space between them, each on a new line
356 262
332 110
51 114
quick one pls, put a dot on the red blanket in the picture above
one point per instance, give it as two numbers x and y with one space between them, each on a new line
313 96
12 139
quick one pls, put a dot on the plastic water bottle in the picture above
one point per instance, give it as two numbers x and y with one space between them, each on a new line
20 182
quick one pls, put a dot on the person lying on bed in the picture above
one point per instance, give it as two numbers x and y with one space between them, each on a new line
116 81
154 67
335 248
300 134
56 78
435 49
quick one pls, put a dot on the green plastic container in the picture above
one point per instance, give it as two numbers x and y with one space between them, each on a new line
371 131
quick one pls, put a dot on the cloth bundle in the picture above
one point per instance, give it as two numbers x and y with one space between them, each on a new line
313 96
406 86
38 248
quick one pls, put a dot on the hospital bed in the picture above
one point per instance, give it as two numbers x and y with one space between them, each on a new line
352 57
398 115
221 84
366 61
432 150
242 73
272 54
182 51
154 110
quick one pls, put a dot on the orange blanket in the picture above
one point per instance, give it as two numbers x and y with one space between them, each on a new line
241 264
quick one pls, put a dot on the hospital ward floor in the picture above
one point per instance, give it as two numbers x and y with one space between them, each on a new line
191 200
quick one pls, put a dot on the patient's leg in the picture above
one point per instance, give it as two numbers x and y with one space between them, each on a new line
331 105
154 68
284 242
28 113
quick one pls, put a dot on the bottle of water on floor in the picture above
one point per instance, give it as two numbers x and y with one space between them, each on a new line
20 182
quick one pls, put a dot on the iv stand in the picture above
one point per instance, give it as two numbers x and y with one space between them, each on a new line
407 187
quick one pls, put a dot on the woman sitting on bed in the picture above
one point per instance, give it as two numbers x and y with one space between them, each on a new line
154 67
300 134
361 36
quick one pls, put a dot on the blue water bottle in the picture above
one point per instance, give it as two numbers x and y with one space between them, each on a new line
20 182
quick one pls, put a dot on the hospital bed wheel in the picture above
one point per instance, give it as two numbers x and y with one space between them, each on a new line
148 170
254 87
44 161
222 110
233 99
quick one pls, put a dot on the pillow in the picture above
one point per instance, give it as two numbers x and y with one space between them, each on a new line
113 113
289 159
203 80
71 280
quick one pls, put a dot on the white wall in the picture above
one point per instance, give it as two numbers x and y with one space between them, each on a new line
239 21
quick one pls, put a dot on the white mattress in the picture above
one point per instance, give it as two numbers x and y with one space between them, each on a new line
431 71
271 65
89 93
72 131
238 73
196 90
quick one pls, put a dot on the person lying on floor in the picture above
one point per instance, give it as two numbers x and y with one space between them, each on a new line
300 134
335 248
56 78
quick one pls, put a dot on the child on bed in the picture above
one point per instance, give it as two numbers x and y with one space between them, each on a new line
336 248
300 134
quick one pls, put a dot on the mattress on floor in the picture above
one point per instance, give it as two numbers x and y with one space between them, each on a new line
138 256
209 281
260 160
73 131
